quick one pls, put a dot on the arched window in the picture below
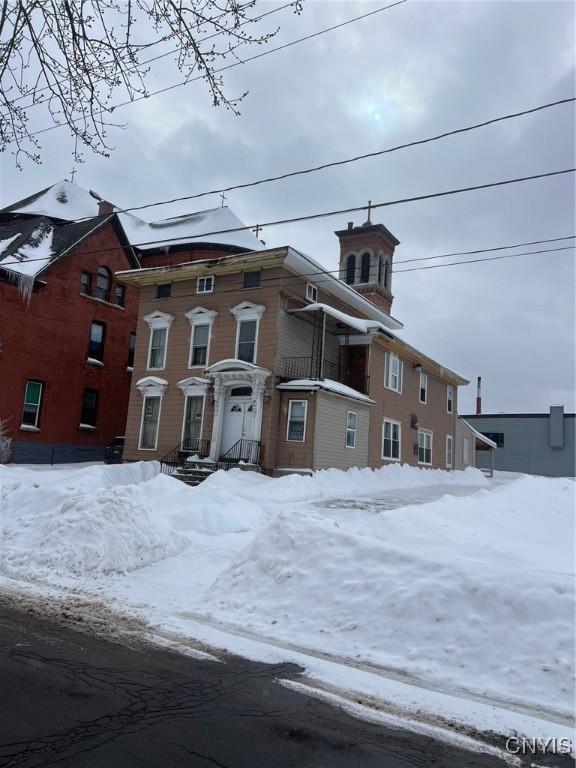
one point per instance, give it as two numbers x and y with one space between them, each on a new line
384 282
103 280
379 270
365 268
351 269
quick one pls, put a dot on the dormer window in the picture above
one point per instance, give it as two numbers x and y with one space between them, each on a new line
351 269
103 280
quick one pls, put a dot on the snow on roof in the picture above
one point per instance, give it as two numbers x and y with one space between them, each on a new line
191 228
479 435
327 384
359 324
33 255
64 200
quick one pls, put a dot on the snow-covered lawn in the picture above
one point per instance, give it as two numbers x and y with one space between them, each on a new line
445 580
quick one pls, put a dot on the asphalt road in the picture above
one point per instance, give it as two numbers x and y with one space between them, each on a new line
74 700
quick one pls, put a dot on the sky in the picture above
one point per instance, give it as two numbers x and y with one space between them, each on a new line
407 73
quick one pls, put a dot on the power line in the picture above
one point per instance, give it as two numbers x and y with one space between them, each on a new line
337 163
223 69
174 50
488 258
327 214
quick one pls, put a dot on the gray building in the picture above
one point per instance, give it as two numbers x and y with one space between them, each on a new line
534 443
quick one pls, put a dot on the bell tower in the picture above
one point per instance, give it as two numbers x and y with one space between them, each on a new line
366 254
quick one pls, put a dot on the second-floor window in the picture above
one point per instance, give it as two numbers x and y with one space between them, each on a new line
103 280
199 348
32 402
296 428
131 350
157 355
246 345
89 412
86 283
119 295
423 387
393 371
97 341
311 292
205 284
450 398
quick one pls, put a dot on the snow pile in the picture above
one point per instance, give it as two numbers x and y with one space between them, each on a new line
475 593
337 483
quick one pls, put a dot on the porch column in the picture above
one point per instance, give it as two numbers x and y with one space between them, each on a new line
258 389
219 404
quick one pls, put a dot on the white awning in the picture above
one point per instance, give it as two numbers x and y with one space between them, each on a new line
479 436
358 323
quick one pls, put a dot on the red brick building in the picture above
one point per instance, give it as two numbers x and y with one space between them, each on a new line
66 326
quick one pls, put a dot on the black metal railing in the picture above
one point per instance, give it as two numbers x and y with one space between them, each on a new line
248 451
305 368
188 449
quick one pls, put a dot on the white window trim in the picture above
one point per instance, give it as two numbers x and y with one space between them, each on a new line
290 403
449 399
313 289
426 432
450 441
387 368
466 451
32 427
248 311
355 430
145 396
200 316
205 277
399 424
423 375
157 321
191 393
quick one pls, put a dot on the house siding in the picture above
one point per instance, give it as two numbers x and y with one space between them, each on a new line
291 454
330 432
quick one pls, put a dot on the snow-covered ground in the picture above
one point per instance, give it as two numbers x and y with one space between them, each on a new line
396 583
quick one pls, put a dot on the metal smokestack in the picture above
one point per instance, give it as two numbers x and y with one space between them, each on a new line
479 397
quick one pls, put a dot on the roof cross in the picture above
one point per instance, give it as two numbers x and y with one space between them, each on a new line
257 230
369 220
72 174
223 198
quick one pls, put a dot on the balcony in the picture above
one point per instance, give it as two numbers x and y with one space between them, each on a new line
310 368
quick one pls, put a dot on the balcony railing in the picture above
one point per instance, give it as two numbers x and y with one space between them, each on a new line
307 368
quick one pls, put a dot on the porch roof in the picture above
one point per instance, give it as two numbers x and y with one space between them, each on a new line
480 438
328 384
357 323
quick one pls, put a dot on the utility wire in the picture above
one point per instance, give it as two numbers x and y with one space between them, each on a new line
226 67
173 51
326 214
355 159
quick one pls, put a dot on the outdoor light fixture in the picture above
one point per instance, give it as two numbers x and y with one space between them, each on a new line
417 367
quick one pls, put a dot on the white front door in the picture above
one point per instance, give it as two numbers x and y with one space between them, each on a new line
239 423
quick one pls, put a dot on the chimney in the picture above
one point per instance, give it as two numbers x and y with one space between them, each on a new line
479 397
105 208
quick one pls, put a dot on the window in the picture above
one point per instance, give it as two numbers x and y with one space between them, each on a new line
86 283
199 349
97 340
465 451
131 350
247 332
423 387
391 440
163 291
193 413
157 354
496 437
449 450
351 269
351 421
149 426
32 401
119 295
424 447
449 399
385 273
103 279
393 372
311 292
205 284
89 408
252 279
296 431
365 268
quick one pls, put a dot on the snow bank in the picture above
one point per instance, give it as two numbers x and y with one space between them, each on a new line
475 593
337 483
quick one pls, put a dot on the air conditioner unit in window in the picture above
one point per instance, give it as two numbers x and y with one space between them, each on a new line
414 421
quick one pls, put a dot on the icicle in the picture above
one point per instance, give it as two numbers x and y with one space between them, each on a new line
25 286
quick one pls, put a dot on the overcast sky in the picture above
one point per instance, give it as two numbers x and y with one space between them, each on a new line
407 73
